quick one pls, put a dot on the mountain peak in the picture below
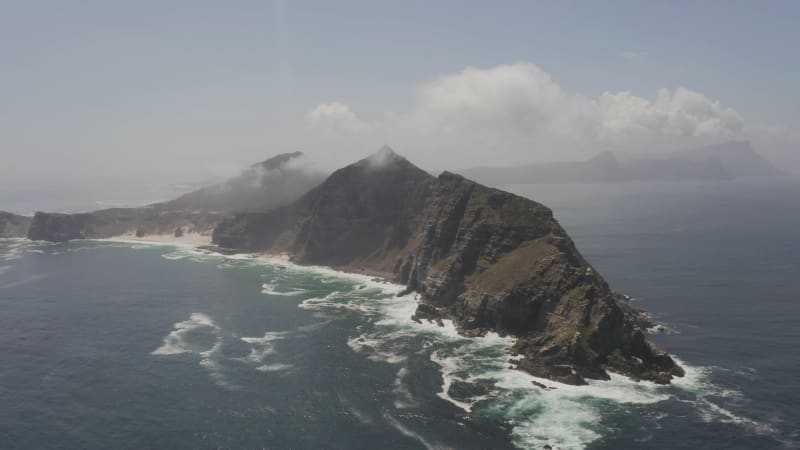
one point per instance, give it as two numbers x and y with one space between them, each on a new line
278 161
383 157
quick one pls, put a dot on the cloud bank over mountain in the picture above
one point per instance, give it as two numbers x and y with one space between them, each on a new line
519 113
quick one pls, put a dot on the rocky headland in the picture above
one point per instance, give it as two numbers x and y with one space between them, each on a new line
486 259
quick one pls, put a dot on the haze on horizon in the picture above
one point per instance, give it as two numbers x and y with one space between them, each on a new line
113 97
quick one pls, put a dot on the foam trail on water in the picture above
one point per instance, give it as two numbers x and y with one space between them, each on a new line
270 289
262 348
710 400
175 342
404 398
277 367
416 436
178 341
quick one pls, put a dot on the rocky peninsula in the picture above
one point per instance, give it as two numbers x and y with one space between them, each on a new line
484 258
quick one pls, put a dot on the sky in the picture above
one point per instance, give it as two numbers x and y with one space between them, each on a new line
104 94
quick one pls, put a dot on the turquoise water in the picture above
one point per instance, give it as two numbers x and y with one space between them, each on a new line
120 345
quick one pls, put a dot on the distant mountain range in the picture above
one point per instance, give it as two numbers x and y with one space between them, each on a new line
734 159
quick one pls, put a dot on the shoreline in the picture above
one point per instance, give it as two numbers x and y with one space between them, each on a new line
203 244
187 239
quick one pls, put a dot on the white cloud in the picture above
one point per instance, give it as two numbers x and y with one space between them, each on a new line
517 112
335 116
681 113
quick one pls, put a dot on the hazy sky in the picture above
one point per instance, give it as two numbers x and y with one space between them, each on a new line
106 91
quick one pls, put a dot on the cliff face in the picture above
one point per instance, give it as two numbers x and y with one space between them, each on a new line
13 225
262 186
358 218
487 259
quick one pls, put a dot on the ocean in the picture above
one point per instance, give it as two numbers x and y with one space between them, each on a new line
127 345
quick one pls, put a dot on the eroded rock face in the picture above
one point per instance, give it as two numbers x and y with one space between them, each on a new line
487 259
13 225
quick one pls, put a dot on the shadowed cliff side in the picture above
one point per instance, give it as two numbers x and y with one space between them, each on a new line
487 259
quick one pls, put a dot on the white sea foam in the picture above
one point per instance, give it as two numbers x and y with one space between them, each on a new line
175 342
414 435
564 417
178 341
663 328
277 367
263 346
449 367
376 349
711 400
403 397
270 289
189 253
4 269
340 301
15 248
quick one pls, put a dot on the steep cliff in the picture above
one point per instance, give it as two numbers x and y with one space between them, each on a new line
487 259
13 225
263 186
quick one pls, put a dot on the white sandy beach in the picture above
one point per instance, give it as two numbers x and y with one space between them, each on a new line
188 239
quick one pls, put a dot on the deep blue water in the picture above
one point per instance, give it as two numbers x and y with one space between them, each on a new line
115 345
